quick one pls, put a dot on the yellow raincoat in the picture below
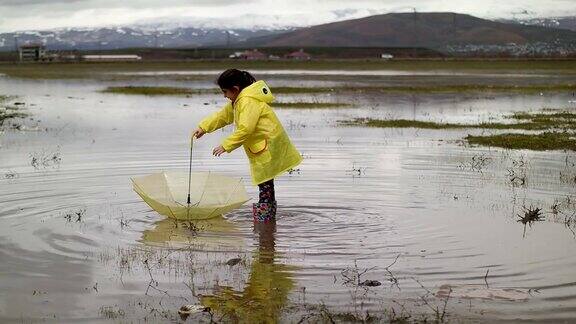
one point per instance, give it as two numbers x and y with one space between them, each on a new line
265 141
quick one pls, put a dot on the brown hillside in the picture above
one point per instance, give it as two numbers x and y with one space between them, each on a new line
415 30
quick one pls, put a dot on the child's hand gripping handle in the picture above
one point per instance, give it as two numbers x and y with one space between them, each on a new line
199 132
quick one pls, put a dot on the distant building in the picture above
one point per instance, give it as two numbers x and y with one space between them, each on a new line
386 56
249 55
235 55
298 55
32 52
111 58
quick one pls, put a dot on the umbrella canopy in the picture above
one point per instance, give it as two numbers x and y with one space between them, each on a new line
210 194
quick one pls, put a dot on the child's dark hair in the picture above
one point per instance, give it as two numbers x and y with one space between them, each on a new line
235 78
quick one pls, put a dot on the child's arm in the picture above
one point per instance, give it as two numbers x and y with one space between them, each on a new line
217 120
249 111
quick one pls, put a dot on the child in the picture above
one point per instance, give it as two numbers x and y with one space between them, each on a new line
257 129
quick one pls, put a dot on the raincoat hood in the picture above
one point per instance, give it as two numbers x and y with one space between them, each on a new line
258 90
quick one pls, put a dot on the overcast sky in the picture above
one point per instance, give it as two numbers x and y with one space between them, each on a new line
47 14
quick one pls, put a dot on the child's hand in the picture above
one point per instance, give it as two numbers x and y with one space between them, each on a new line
199 132
218 150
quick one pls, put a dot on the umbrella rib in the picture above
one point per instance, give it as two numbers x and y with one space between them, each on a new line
169 194
204 190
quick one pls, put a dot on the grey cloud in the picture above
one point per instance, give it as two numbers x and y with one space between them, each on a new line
16 14
96 4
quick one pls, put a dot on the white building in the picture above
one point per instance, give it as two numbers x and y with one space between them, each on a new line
111 58
32 52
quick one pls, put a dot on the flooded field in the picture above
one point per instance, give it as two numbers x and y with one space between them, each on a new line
378 224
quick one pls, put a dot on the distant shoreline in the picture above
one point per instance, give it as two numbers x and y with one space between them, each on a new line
98 70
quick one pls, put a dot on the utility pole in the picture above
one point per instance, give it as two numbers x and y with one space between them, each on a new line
414 34
16 49
453 40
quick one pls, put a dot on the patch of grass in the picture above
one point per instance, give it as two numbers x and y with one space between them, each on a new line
76 70
478 88
112 312
149 91
538 142
432 89
296 90
558 127
310 105
527 121
399 123
405 123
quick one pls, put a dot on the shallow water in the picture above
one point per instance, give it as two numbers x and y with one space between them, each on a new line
77 244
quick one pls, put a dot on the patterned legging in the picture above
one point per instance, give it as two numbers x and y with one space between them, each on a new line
267 192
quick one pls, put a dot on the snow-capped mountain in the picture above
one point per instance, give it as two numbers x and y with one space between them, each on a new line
173 32
125 37
257 22
554 22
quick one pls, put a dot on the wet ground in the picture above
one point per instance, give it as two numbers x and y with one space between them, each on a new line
432 219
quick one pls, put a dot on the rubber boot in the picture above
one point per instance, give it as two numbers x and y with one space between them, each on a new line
264 212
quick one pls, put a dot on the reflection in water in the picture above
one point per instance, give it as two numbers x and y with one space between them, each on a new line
267 290
212 232
269 284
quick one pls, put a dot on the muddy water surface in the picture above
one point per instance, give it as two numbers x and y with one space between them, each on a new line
414 209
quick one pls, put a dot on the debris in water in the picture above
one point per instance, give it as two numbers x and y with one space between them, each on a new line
293 171
370 283
43 159
188 310
76 215
233 262
11 175
531 215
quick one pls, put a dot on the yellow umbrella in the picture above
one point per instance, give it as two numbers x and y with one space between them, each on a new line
175 195
210 195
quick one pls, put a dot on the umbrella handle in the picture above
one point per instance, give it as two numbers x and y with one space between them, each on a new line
190 170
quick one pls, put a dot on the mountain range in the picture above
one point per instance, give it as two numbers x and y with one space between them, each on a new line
431 30
125 37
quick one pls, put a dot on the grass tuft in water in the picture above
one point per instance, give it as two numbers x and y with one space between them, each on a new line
558 128
481 88
526 121
310 105
149 91
538 142
399 123
531 215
